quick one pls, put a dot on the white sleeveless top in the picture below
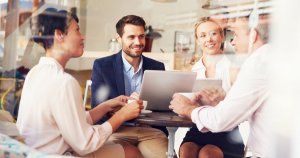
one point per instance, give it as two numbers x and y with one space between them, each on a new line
222 72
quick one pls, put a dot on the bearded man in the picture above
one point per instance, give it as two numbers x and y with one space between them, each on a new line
122 74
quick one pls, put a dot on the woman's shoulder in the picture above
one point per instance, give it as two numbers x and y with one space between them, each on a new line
198 65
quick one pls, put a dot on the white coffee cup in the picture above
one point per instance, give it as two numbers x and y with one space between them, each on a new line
188 95
144 103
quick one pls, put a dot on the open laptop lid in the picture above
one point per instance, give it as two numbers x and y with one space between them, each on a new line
158 87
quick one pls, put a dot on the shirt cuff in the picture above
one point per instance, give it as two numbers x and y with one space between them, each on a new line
195 116
89 118
107 127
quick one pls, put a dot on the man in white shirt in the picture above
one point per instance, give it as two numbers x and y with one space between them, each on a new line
51 116
245 100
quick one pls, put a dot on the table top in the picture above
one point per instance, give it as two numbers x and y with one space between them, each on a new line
168 119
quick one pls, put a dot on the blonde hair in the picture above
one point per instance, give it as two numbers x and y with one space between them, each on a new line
206 19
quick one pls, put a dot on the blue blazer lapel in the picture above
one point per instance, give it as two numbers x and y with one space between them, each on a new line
118 69
145 65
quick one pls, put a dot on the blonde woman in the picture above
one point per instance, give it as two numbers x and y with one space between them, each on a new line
213 64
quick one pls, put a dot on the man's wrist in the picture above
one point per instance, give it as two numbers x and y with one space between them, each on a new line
214 103
189 110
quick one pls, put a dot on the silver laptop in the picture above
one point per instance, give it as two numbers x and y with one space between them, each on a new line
158 87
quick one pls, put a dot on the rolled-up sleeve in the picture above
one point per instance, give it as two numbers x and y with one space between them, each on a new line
244 98
195 118
74 123
88 118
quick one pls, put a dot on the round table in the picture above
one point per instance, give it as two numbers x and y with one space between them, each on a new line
169 119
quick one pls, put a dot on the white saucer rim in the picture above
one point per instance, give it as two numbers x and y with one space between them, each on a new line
146 111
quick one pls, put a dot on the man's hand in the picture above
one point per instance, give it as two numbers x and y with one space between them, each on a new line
131 111
182 105
204 100
196 100
214 95
135 95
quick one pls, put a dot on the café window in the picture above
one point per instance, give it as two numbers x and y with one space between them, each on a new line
169 35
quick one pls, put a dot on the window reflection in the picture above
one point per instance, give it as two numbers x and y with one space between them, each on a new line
22 45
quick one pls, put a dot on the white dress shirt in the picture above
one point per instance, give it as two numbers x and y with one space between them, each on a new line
51 116
245 101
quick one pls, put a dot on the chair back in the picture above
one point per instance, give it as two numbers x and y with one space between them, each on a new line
87 87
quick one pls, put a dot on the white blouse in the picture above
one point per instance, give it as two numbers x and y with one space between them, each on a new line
51 116
222 72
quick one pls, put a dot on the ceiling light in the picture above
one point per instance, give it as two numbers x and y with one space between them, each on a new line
212 4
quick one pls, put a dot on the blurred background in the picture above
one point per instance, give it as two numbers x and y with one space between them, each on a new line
170 39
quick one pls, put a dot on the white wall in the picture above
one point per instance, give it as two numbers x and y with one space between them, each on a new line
97 20
107 12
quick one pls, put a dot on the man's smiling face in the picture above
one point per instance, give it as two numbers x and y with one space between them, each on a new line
133 40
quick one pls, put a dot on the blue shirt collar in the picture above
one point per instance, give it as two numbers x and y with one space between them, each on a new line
127 66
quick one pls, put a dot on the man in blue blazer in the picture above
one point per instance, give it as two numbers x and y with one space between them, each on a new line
108 71
121 74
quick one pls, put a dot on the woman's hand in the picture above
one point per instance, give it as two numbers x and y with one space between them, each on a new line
117 103
214 95
128 112
109 106
131 111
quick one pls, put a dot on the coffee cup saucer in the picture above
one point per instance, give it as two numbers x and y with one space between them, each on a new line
146 111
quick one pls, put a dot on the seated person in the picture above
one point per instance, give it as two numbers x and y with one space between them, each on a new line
246 100
213 64
51 116
122 74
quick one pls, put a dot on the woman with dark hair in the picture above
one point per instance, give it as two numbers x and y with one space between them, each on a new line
51 116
